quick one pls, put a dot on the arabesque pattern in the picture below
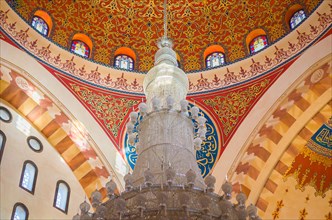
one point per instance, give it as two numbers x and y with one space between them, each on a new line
109 109
193 25
98 74
317 153
234 105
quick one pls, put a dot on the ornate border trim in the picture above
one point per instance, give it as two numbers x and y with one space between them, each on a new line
215 79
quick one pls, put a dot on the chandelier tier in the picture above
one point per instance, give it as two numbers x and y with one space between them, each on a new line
166 182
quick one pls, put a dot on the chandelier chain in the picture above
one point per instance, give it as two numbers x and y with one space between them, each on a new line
165 19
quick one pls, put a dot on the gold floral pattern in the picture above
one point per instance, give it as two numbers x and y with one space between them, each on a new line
21 33
193 25
313 164
303 213
108 109
277 210
231 107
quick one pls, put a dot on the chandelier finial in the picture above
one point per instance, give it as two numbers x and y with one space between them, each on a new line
165 41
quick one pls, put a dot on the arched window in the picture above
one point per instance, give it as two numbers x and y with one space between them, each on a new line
124 62
214 56
297 18
42 22
40 25
61 197
80 48
124 58
29 176
256 40
20 212
81 45
215 59
258 43
2 143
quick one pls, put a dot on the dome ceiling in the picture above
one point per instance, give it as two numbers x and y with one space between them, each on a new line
229 107
193 25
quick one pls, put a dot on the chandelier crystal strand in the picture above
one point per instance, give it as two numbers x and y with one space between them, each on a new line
166 183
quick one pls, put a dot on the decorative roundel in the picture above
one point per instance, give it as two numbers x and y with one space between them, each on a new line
317 75
5 114
35 144
206 157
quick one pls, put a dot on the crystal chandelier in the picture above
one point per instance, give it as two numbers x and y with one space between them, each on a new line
166 182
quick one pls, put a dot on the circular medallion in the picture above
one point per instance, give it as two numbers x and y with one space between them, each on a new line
206 157
317 75
22 83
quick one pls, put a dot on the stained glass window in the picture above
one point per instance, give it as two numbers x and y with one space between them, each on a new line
28 176
124 62
62 194
40 25
80 48
258 43
215 59
20 212
297 18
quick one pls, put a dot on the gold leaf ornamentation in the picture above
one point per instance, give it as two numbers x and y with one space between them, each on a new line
232 106
110 110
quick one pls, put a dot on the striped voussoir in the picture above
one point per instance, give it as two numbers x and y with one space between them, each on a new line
56 126
282 128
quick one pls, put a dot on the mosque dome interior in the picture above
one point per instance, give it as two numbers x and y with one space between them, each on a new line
72 71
